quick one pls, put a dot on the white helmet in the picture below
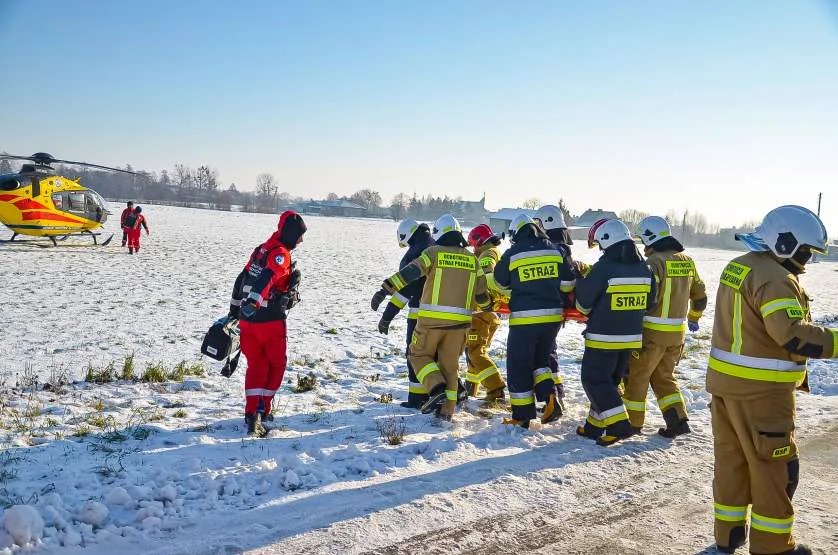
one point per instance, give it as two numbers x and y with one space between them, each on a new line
517 223
444 224
785 229
652 229
608 232
407 227
551 217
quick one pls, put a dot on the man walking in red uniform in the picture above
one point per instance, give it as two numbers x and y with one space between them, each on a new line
128 210
134 223
264 292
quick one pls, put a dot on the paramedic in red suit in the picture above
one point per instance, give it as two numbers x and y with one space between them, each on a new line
129 209
264 292
135 223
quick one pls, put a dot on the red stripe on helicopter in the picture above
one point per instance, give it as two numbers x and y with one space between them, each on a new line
8 197
28 204
27 216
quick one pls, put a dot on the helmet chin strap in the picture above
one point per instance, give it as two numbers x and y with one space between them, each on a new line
797 263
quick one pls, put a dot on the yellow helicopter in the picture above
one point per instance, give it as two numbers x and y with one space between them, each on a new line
38 202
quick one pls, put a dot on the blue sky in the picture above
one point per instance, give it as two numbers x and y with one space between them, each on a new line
728 108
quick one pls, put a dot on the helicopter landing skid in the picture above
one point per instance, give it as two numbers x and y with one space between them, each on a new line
54 240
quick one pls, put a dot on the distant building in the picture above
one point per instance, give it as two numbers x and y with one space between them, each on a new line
499 221
471 212
332 208
590 216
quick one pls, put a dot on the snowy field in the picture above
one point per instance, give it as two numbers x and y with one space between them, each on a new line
162 467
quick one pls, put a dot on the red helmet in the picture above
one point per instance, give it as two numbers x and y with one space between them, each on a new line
479 235
592 232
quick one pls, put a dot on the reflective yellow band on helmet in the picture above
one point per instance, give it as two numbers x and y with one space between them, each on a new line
427 370
754 368
730 513
772 525
670 400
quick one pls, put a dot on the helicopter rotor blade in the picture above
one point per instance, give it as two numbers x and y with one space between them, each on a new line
14 157
89 165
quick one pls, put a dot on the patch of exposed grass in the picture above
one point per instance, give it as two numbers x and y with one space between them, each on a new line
154 373
180 413
103 375
391 429
183 369
128 370
386 398
305 383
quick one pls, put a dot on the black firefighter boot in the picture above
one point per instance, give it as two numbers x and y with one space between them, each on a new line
736 539
436 397
614 433
254 425
675 425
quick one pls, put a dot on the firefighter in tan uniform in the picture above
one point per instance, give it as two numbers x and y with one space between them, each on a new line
454 284
762 336
679 302
482 370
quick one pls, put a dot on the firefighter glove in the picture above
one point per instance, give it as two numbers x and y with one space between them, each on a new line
384 326
692 325
377 299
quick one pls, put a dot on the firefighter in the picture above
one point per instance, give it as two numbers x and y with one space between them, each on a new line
552 221
762 336
416 238
482 370
615 295
454 284
263 294
679 303
532 269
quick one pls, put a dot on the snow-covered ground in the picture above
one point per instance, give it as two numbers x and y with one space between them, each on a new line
163 467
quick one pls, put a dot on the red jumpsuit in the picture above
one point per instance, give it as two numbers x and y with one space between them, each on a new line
134 233
265 278
125 213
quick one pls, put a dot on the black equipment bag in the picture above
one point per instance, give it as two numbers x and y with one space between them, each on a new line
222 339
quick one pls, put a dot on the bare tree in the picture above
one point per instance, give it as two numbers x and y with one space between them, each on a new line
183 179
332 196
631 217
398 206
266 190
532 204
206 179
367 198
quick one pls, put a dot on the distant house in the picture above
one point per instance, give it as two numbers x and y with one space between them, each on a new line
471 212
499 221
333 208
590 216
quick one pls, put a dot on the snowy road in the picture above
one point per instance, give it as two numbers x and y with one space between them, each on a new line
137 467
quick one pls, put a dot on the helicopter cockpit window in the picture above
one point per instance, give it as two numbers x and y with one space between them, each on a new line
76 203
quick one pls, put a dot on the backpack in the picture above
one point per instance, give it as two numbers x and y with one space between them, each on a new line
221 339
131 220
